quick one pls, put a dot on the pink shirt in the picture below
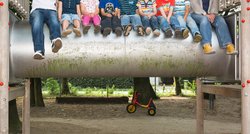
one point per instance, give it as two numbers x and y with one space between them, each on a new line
90 5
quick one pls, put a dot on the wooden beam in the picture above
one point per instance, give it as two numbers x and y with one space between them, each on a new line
26 108
4 67
199 108
16 92
245 57
224 90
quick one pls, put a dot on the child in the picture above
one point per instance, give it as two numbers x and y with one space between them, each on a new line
69 13
90 12
129 18
147 10
44 12
164 15
110 17
181 12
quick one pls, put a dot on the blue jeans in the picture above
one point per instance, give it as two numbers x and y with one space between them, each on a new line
164 25
135 20
37 19
220 26
190 23
152 22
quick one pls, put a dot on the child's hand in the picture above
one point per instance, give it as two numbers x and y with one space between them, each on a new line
59 18
109 15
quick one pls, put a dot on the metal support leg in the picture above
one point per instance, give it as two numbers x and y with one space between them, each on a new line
199 108
26 108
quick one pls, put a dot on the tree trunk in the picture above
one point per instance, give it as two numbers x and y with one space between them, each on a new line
15 125
36 96
178 86
65 86
143 87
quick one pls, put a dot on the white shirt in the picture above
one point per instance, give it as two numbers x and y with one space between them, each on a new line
43 4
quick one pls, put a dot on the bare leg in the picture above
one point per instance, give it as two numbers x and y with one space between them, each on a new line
65 30
76 28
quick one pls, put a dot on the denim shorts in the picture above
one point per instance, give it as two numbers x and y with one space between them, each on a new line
70 17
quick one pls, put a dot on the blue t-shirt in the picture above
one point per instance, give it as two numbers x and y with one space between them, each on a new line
205 4
69 6
109 5
128 7
180 6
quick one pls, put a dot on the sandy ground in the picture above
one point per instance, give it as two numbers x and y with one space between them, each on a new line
175 115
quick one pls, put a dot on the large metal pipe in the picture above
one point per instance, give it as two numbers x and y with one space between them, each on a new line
94 55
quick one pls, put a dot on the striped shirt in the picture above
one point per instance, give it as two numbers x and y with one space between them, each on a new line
180 6
147 7
128 7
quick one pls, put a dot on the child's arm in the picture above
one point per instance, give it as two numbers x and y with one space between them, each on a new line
140 10
154 10
96 10
83 9
105 14
59 10
170 13
187 10
78 10
163 14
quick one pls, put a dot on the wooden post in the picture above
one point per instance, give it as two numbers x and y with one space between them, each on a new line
4 67
26 108
245 74
199 108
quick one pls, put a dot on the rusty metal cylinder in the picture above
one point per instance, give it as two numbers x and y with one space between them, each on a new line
133 56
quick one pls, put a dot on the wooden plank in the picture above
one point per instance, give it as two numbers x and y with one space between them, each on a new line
224 90
199 108
245 66
4 67
16 92
26 108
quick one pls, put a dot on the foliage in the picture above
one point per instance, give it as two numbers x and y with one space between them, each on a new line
51 85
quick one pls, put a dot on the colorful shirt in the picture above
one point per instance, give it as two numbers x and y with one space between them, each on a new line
69 6
90 5
109 6
43 4
146 7
128 7
180 6
165 4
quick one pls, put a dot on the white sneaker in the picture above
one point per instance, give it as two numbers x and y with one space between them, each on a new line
38 55
156 32
148 30
56 45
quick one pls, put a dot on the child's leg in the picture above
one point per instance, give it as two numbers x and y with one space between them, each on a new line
85 23
146 24
165 27
137 24
106 26
76 23
65 24
155 26
97 21
125 22
116 26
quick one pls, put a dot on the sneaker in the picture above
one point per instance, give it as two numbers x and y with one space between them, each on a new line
118 31
230 49
77 32
168 33
197 38
56 45
106 31
185 33
148 30
156 33
85 29
140 31
39 55
97 29
127 30
207 49
66 32
178 33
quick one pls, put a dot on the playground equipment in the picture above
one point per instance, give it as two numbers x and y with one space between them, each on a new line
126 56
131 108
